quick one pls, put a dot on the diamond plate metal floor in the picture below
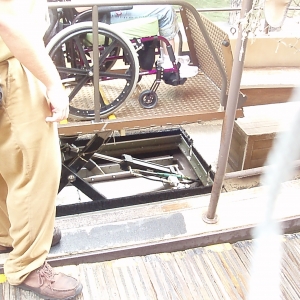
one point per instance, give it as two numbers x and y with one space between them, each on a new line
196 100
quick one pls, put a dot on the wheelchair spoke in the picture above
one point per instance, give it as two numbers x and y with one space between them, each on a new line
82 55
107 51
78 86
102 103
73 71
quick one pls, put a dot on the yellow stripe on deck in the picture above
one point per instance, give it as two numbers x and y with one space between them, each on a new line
112 116
2 278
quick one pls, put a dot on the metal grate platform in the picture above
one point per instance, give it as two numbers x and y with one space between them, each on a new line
196 100
192 97
197 94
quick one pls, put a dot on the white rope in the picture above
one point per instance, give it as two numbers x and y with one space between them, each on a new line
253 25
266 261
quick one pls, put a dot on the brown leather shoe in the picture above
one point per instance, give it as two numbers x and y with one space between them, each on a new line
55 240
56 236
48 284
4 249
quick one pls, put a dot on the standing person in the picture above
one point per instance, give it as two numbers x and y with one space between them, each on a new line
32 100
168 28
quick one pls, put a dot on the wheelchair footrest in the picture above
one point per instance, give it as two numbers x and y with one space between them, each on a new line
172 79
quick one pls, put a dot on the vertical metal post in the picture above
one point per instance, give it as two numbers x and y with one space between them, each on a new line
96 63
228 122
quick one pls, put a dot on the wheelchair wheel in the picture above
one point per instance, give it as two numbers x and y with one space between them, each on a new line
118 68
148 99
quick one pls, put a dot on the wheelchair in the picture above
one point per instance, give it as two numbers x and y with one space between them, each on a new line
124 58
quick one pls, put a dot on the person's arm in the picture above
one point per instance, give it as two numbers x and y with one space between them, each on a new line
17 30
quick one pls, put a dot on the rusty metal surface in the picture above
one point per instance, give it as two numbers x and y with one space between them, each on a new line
196 100
197 94
213 272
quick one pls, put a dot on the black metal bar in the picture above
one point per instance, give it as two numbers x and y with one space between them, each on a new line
128 160
82 158
74 165
69 176
164 195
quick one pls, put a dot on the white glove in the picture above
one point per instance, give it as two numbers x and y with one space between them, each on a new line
59 103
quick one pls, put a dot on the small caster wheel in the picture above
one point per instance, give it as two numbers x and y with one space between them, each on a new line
148 99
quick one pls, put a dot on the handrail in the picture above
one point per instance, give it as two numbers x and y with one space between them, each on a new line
221 9
228 123
216 9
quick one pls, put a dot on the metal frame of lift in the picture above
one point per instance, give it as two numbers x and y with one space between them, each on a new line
230 101
82 154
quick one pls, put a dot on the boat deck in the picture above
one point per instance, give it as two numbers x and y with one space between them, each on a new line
213 272
162 250
140 233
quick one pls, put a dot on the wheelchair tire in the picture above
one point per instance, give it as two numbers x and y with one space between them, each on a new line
148 99
117 82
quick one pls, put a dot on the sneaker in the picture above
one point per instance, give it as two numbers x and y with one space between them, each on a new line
48 284
56 236
185 70
166 64
183 59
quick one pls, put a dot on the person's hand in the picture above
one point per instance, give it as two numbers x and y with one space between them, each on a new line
59 103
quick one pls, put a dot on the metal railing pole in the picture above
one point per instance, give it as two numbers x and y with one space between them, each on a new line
96 63
228 123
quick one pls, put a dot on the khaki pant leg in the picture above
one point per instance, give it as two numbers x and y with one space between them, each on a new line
5 239
30 166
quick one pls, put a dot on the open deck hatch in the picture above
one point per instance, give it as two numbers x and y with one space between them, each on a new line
144 167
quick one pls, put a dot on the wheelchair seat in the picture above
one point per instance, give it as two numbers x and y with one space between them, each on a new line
133 29
138 28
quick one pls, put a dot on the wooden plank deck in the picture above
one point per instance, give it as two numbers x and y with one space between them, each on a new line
213 272
253 135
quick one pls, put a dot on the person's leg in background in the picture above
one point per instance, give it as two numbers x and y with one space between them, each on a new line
168 28
165 14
